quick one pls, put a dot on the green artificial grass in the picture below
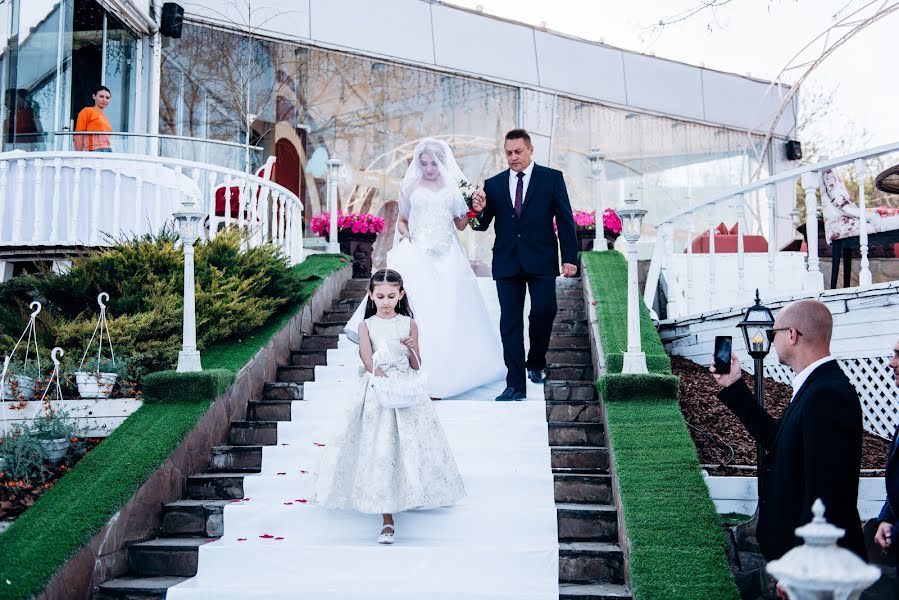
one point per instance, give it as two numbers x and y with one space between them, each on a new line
676 545
83 501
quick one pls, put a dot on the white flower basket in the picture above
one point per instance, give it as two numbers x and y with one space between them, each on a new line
95 385
24 388
54 450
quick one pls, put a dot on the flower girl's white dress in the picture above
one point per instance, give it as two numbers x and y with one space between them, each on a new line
389 460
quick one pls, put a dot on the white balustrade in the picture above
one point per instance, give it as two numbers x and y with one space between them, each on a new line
87 199
698 282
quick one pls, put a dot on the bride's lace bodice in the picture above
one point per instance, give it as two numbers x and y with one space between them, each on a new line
431 219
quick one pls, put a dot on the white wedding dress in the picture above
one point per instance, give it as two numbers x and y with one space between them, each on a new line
460 347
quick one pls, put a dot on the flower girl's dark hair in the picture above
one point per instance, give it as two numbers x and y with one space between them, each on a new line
393 278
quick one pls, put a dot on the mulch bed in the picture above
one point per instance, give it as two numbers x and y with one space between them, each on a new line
17 496
721 440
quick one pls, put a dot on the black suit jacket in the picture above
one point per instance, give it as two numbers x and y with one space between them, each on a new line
529 245
892 484
813 451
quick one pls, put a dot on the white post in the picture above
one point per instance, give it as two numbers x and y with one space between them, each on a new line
634 358
691 229
741 250
189 220
864 275
597 168
771 190
666 231
334 165
814 278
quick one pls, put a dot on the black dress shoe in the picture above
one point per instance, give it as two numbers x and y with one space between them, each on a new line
510 394
537 375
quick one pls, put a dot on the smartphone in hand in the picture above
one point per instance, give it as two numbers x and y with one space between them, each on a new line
723 345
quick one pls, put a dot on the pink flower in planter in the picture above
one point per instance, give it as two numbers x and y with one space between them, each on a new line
611 221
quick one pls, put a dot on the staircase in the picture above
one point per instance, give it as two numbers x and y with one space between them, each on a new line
591 563
590 559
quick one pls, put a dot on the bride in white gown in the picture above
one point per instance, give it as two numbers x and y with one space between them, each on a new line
460 347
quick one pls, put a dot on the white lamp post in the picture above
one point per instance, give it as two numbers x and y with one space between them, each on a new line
819 569
189 219
597 168
334 165
631 223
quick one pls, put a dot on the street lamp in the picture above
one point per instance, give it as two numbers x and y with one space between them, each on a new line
756 325
334 165
597 168
189 219
631 224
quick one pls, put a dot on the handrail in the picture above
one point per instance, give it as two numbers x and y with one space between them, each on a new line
786 175
164 136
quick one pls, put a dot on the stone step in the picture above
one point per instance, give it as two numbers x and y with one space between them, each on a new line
570 300
282 390
591 459
236 459
336 316
137 588
254 433
322 328
570 327
356 285
319 342
565 433
594 591
571 314
587 522
570 390
570 341
269 410
575 488
590 562
569 372
352 296
567 283
309 358
215 486
197 518
347 303
577 356
574 411
296 374
166 556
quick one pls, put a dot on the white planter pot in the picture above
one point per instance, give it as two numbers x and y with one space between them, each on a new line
54 450
95 385
24 389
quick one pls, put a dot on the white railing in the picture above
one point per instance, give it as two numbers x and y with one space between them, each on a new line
697 283
73 199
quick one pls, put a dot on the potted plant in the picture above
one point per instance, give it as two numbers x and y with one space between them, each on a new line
20 379
356 233
21 456
585 228
99 382
54 432
611 226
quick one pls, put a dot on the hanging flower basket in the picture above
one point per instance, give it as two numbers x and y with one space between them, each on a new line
356 234
17 380
99 382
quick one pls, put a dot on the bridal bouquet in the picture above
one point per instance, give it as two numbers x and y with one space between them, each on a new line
468 191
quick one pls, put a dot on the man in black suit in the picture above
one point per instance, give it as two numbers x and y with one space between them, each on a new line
890 510
523 201
814 450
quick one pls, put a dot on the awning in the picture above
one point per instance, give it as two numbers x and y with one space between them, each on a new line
133 13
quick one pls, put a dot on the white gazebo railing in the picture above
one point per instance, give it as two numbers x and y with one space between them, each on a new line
75 199
695 283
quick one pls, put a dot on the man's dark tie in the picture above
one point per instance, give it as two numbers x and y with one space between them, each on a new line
519 192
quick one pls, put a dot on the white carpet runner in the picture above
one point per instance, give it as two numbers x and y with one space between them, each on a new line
499 542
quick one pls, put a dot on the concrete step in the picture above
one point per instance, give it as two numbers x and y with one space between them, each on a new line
137 588
195 518
215 486
322 342
254 433
591 489
565 433
309 358
591 459
337 316
570 390
236 459
577 356
269 410
570 341
176 556
569 372
594 591
580 327
574 411
296 374
587 522
590 562
282 390
323 328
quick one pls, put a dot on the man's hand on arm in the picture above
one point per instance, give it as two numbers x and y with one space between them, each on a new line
479 201
883 535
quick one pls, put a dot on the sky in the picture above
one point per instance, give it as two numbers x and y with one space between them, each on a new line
757 37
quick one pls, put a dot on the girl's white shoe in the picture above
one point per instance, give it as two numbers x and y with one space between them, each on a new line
386 537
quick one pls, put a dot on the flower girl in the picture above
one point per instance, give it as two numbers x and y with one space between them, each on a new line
388 460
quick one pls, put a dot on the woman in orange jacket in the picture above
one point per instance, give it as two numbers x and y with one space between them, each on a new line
92 118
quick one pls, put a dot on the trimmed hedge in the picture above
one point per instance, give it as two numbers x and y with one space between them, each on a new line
83 501
172 386
676 544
